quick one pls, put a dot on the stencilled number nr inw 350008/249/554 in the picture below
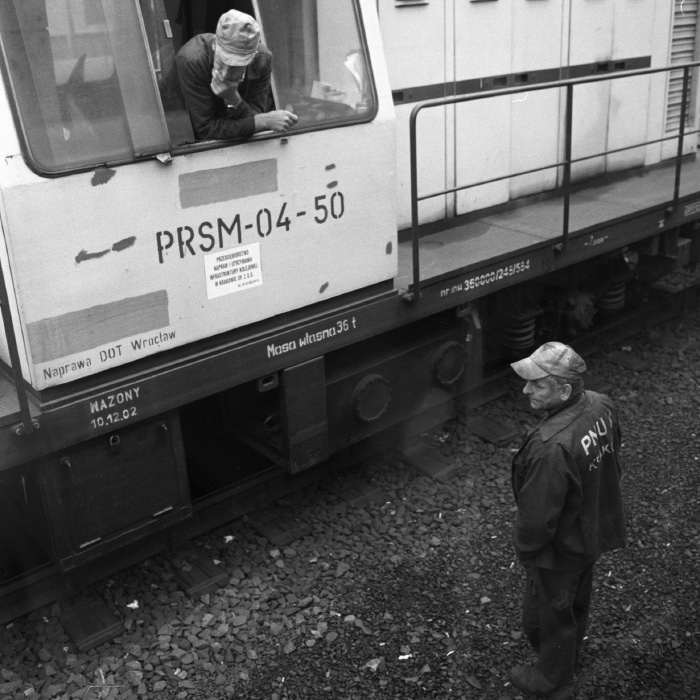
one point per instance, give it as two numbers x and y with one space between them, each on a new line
486 278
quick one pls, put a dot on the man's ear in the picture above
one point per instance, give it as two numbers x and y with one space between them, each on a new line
566 392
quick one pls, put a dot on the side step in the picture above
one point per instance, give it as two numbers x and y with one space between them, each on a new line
89 622
423 458
200 577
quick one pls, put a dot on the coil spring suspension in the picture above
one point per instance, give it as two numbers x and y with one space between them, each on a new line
518 335
613 300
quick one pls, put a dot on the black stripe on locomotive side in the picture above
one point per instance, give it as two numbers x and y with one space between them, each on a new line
420 93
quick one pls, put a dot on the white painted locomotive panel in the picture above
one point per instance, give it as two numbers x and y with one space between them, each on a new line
414 41
590 31
85 253
590 41
629 97
634 28
628 122
535 116
589 130
537 35
417 44
500 38
431 137
482 133
483 151
536 130
482 39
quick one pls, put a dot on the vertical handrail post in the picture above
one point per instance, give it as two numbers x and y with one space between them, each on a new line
25 414
681 136
569 120
414 205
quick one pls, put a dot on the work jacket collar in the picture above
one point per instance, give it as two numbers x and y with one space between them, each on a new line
563 416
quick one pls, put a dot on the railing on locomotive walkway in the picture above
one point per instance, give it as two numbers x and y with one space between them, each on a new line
568 84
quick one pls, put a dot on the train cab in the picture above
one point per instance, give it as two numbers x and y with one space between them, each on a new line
134 251
125 235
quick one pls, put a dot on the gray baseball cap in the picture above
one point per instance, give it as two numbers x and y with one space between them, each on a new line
552 358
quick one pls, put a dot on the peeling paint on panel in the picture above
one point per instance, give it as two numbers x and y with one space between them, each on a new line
83 255
124 244
117 247
102 176
229 183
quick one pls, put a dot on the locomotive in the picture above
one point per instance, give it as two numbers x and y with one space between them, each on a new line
185 320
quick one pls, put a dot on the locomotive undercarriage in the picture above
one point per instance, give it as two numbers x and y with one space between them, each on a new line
583 299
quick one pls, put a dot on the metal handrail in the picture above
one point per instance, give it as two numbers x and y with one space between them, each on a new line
569 84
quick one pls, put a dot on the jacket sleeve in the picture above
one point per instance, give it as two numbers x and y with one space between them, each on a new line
541 499
204 107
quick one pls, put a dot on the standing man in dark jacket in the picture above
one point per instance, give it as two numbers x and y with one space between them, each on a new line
225 79
566 482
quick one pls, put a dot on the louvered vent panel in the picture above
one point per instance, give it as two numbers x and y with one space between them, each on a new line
682 51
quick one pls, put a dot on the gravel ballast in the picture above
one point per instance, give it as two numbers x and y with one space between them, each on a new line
413 592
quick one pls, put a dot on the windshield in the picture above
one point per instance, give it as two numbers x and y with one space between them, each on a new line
92 79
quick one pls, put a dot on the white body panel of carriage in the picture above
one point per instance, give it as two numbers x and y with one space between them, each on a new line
494 137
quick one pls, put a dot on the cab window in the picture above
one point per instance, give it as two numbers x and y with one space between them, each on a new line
320 68
83 82
92 79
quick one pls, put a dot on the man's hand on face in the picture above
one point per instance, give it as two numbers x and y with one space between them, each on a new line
225 90
225 81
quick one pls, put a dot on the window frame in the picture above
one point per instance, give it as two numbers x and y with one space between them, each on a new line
185 149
